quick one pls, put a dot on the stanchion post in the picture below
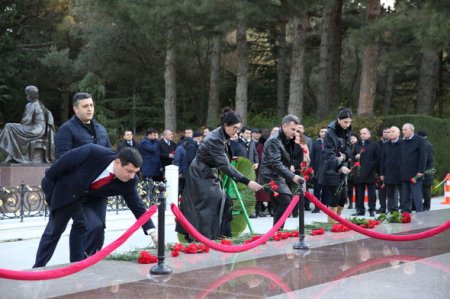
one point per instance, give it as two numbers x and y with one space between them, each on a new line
301 244
22 200
161 268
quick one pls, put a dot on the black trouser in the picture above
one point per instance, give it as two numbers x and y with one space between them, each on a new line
392 193
336 198
360 192
320 192
413 190
89 233
350 187
382 198
279 205
426 193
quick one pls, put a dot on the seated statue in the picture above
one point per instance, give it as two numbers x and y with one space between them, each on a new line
31 141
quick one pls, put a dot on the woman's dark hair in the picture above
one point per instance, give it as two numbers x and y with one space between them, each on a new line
344 113
229 117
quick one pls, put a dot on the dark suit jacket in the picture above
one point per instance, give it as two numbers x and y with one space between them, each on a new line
316 155
69 178
369 158
73 134
413 158
164 151
390 162
123 144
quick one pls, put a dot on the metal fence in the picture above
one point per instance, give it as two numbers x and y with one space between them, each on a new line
26 201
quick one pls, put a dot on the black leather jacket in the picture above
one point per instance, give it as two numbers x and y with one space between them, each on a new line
336 141
276 161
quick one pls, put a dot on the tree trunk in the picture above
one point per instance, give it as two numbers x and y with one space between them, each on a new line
214 81
297 74
429 73
389 88
242 76
330 59
281 62
367 89
170 101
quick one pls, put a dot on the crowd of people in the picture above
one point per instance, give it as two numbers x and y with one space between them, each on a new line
336 165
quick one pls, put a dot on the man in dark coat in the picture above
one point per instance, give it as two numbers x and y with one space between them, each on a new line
428 177
382 191
83 129
366 152
166 149
390 168
151 167
276 162
317 164
248 146
412 168
76 177
127 141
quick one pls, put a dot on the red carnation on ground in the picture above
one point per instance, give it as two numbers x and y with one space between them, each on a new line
406 217
226 242
146 258
175 253
318 231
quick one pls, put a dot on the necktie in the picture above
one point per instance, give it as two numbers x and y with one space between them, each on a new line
102 182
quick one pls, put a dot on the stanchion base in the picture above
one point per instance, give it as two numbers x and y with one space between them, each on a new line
302 245
160 270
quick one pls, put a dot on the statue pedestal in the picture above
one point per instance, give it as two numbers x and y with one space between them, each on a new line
12 175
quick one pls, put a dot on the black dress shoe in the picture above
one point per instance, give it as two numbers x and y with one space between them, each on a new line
260 214
350 206
359 214
371 213
252 216
380 211
315 210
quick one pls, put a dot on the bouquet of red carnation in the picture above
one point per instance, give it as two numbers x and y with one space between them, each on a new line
272 187
307 172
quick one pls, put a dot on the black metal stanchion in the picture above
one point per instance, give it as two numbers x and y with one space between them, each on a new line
22 200
301 244
161 268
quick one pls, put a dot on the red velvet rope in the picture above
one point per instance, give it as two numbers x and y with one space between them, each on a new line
230 248
81 265
412 237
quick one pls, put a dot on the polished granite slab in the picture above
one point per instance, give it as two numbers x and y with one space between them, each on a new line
344 265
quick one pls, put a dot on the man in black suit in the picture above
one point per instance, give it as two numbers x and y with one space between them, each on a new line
428 177
166 149
412 167
390 168
366 152
317 163
83 129
127 141
76 177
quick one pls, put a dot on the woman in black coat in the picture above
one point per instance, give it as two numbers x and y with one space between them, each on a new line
336 153
204 203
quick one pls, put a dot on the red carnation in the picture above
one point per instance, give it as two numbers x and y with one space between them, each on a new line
226 242
406 217
146 258
276 194
303 165
413 180
175 253
356 164
306 177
